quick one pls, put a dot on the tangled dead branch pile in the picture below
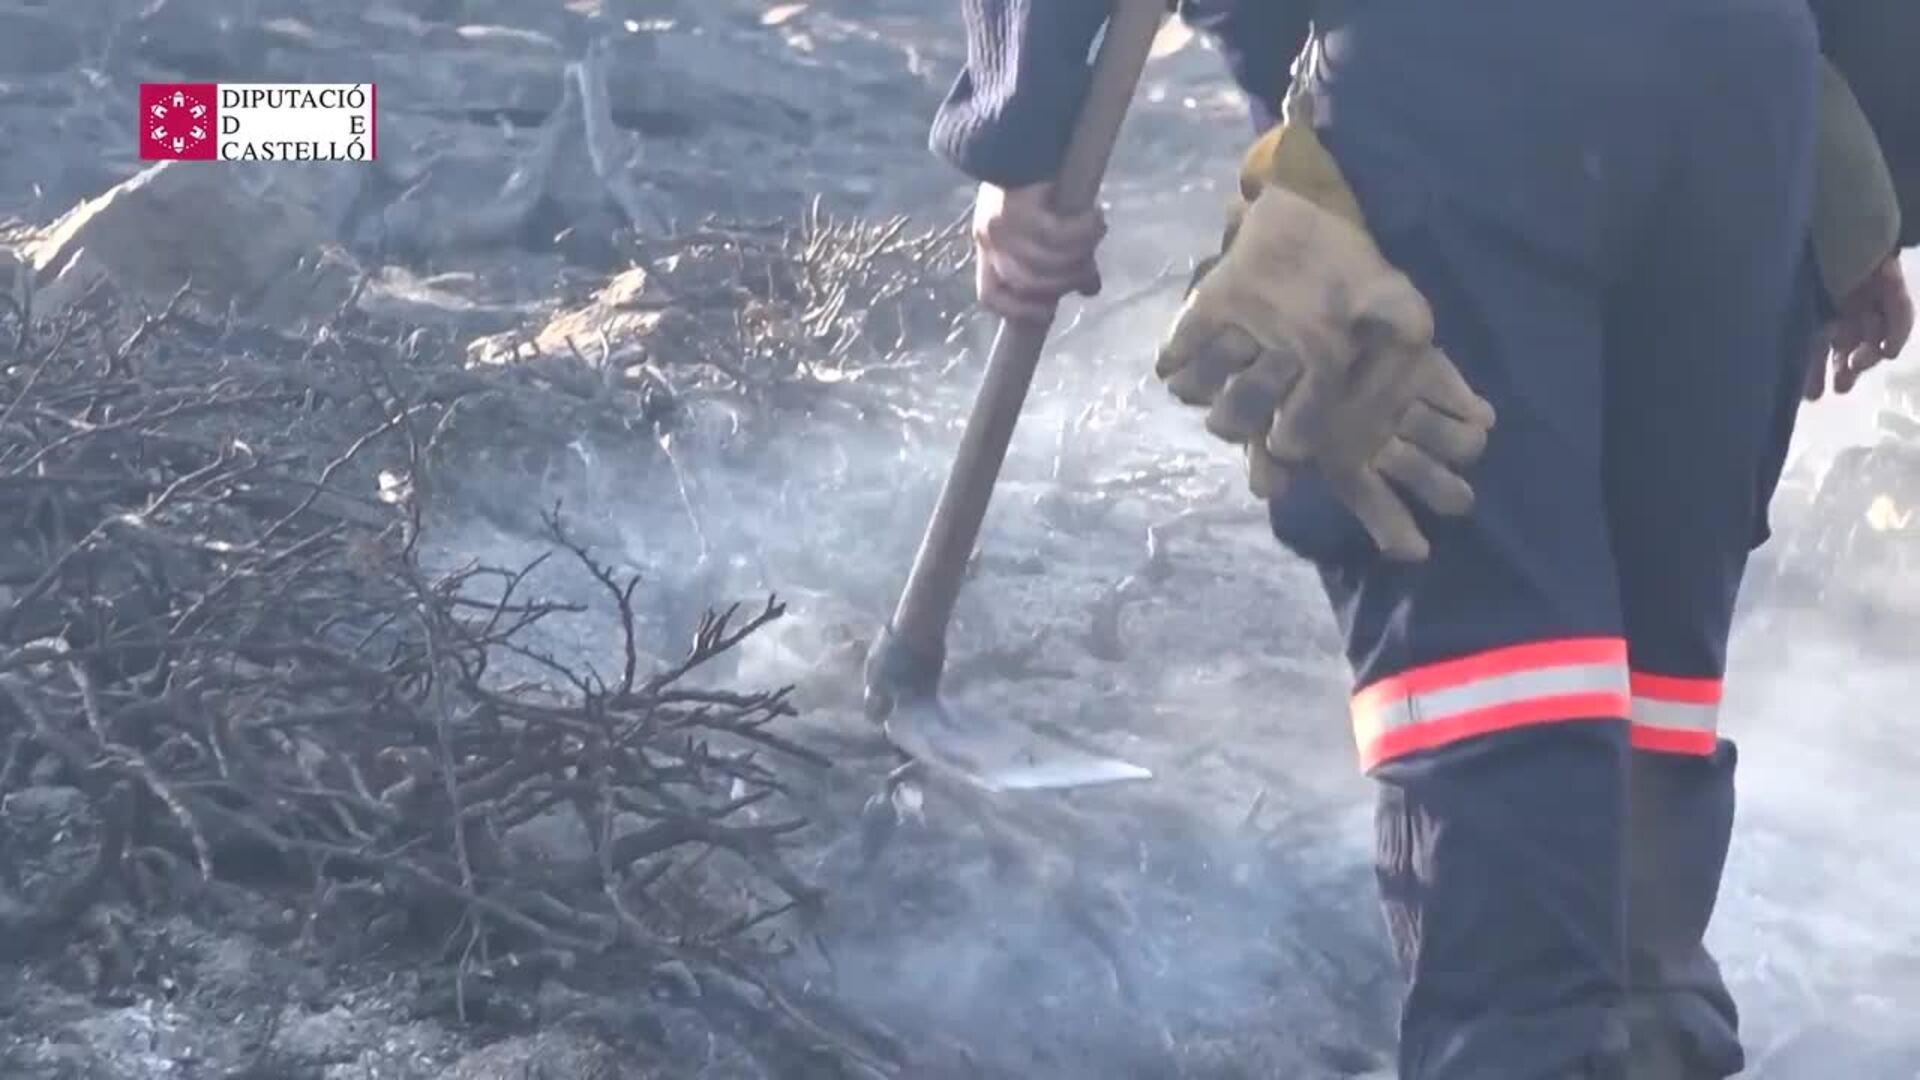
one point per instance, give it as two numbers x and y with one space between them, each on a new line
243 664
863 293
764 308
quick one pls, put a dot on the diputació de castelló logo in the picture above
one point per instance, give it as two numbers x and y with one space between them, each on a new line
179 121
257 122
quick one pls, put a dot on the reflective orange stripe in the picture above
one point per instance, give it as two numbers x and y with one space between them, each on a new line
1540 683
1673 715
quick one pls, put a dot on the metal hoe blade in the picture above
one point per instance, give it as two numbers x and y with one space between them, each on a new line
997 754
903 667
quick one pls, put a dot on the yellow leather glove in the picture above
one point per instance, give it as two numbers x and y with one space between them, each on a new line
1856 210
1313 352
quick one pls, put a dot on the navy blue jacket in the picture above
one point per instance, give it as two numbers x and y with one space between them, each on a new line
1007 118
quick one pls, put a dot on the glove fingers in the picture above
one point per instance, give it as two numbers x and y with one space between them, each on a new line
1299 429
1386 374
1382 513
1266 477
1200 271
1447 438
1392 311
1245 407
1193 330
1334 398
1201 355
1439 488
1447 390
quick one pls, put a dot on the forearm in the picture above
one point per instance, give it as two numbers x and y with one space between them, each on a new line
1007 119
1875 45
1856 213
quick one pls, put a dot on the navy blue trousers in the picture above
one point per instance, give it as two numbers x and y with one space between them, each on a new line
1607 205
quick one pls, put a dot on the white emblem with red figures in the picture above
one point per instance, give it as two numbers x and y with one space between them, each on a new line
192 130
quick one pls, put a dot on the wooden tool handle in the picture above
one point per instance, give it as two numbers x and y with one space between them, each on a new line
1122 56
926 604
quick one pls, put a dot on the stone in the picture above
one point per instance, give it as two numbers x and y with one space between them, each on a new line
36 43
228 232
630 307
558 1055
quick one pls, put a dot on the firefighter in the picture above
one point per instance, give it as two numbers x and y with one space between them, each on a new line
1512 322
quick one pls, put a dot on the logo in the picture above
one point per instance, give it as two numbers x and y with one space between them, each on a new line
178 121
257 122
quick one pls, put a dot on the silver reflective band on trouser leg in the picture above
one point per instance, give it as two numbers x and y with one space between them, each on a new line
1541 682
1673 715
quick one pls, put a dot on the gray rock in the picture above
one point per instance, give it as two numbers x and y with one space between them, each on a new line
557 836
43 806
36 43
561 1055
240 237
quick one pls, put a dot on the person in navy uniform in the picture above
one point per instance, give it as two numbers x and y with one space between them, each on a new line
1513 320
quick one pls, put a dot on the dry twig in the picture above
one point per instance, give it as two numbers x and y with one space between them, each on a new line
192 625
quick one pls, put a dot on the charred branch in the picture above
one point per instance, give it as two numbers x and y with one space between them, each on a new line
202 617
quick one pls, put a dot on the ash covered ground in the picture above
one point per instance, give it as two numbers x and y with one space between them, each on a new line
668 293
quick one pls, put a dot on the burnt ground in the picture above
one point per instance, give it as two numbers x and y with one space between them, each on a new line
1215 923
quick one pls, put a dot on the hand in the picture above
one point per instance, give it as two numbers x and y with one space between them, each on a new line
1872 326
1026 256
1312 351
